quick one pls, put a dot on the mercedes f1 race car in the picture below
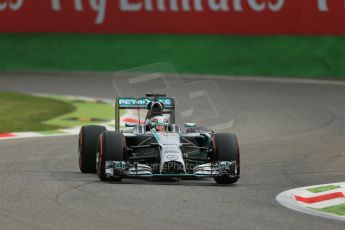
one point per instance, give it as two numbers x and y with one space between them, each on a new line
147 143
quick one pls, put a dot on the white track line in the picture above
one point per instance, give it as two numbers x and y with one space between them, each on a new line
268 79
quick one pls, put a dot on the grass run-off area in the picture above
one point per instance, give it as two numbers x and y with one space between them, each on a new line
323 188
21 112
287 56
85 113
337 209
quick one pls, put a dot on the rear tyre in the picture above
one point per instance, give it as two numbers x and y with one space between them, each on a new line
111 147
227 149
87 148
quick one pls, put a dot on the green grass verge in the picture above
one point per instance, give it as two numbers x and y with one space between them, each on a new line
337 210
21 112
86 113
296 56
323 188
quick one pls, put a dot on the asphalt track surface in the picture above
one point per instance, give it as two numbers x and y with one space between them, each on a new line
291 134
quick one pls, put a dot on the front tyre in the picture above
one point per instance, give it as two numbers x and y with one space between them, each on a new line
87 148
227 149
111 147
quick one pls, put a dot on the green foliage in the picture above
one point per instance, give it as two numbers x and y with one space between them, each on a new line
287 56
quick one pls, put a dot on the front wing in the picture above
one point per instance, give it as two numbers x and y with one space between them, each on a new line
115 169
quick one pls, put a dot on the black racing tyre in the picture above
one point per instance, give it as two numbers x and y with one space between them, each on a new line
87 148
111 147
227 149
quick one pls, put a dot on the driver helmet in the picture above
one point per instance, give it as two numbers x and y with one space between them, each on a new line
159 123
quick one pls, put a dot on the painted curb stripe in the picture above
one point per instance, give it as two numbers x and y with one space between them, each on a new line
327 204
324 204
4 135
315 199
306 193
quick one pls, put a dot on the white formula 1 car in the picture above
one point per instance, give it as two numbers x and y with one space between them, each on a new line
155 147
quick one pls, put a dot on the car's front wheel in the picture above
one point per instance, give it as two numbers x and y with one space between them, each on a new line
87 147
227 149
111 147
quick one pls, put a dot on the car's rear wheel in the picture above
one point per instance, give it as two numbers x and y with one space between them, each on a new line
111 147
227 149
87 148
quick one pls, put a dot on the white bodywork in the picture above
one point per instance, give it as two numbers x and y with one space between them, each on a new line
170 149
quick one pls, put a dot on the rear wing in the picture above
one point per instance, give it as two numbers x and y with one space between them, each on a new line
129 103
